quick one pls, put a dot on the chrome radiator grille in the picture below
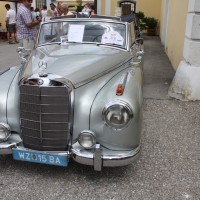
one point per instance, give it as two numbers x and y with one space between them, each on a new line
45 117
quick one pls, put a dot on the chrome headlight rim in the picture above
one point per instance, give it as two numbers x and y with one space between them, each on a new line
6 128
118 103
87 133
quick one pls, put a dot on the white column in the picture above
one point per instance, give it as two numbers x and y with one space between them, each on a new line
48 4
33 4
108 7
99 7
165 22
186 82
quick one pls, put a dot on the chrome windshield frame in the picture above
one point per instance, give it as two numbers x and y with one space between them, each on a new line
84 20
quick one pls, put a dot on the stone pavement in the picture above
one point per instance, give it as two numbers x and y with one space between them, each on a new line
158 72
170 161
8 54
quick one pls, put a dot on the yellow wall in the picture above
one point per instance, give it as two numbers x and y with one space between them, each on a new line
3 13
162 16
151 8
176 30
176 22
113 6
103 5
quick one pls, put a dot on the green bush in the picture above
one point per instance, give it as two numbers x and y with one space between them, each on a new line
79 6
146 22
150 22
140 15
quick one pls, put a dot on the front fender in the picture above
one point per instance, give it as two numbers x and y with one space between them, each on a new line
128 137
9 97
84 97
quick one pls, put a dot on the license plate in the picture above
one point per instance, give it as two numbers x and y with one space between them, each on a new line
39 157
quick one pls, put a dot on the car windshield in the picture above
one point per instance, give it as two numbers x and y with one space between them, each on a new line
102 33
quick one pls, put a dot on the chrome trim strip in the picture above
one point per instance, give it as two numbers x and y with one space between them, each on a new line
126 24
82 20
3 71
126 64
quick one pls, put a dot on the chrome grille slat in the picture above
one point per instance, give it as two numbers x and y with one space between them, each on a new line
46 134
43 100
44 108
45 116
49 139
53 143
55 117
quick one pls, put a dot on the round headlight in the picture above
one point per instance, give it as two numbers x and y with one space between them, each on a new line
87 139
117 114
4 131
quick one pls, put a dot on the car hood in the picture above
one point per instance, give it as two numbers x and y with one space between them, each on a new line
75 62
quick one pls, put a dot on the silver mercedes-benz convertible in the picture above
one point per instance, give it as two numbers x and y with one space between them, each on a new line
77 95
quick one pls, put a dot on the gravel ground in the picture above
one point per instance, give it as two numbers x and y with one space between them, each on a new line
167 169
8 55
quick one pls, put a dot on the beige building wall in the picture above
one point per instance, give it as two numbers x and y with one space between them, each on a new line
103 6
162 14
151 8
176 22
176 30
3 12
113 7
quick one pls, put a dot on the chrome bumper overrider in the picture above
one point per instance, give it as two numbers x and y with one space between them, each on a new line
100 157
13 141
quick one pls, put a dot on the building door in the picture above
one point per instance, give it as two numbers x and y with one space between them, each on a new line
126 9
127 6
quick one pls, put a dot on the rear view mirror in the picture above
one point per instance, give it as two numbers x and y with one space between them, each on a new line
139 41
23 53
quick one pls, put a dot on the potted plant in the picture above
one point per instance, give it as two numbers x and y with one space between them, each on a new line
140 15
151 25
79 6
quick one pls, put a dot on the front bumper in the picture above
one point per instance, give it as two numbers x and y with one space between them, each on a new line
98 157
101 157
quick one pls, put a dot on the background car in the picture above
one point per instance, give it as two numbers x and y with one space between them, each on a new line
78 95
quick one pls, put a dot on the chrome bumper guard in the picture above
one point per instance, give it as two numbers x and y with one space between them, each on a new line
13 141
101 157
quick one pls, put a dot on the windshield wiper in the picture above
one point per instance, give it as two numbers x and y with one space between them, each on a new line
49 43
109 44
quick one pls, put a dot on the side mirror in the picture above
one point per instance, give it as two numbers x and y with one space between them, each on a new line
23 53
139 41
20 49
